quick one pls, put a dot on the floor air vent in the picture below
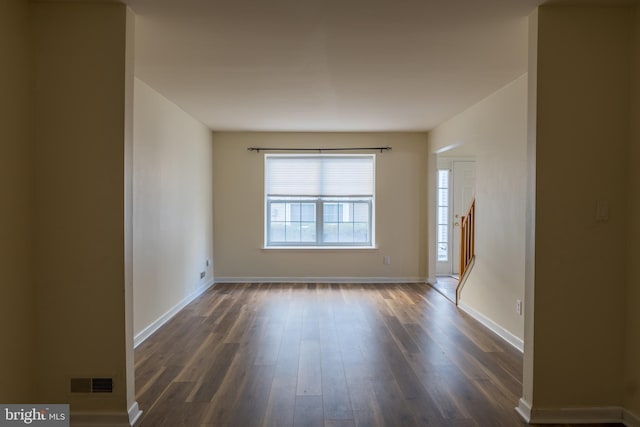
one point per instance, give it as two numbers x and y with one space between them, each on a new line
91 385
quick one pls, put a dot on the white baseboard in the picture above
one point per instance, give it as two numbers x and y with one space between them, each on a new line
611 414
524 410
134 414
493 326
604 415
347 279
154 326
432 280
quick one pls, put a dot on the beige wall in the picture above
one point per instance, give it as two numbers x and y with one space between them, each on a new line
632 353
401 215
16 307
495 130
173 204
583 126
79 262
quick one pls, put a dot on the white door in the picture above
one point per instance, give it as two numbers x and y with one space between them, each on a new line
463 184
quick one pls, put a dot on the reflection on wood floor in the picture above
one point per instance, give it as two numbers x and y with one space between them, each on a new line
326 355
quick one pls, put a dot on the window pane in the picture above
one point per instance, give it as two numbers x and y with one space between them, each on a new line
443 197
345 232
308 212
443 178
443 233
278 212
330 233
294 222
443 215
361 212
443 252
294 211
308 232
330 212
345 213
277 231
293 232
361 232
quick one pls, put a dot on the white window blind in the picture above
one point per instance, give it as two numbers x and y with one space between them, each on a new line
320 176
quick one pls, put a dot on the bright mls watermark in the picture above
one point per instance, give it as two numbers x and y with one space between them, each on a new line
36 415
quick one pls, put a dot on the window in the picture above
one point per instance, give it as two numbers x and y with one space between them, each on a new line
443 215
319 200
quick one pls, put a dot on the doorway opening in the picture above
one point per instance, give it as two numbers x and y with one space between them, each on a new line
454 194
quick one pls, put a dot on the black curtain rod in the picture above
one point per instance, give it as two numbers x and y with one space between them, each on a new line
319 150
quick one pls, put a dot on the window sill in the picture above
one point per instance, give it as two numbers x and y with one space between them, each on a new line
321 248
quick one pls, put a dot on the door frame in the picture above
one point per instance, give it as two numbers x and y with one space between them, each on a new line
446 162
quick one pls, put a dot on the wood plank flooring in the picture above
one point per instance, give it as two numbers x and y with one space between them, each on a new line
332 355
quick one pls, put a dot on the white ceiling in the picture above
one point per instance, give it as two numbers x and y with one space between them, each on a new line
329 65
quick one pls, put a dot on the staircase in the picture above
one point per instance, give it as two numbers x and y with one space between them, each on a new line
467 246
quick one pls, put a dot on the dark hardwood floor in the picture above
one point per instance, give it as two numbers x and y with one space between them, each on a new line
326 355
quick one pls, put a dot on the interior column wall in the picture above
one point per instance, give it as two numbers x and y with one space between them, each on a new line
79 262
16 305
632 348
582 126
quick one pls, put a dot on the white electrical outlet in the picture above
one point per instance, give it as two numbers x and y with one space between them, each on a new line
386 260
519 307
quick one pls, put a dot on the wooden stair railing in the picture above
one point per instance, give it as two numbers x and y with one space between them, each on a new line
467 238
